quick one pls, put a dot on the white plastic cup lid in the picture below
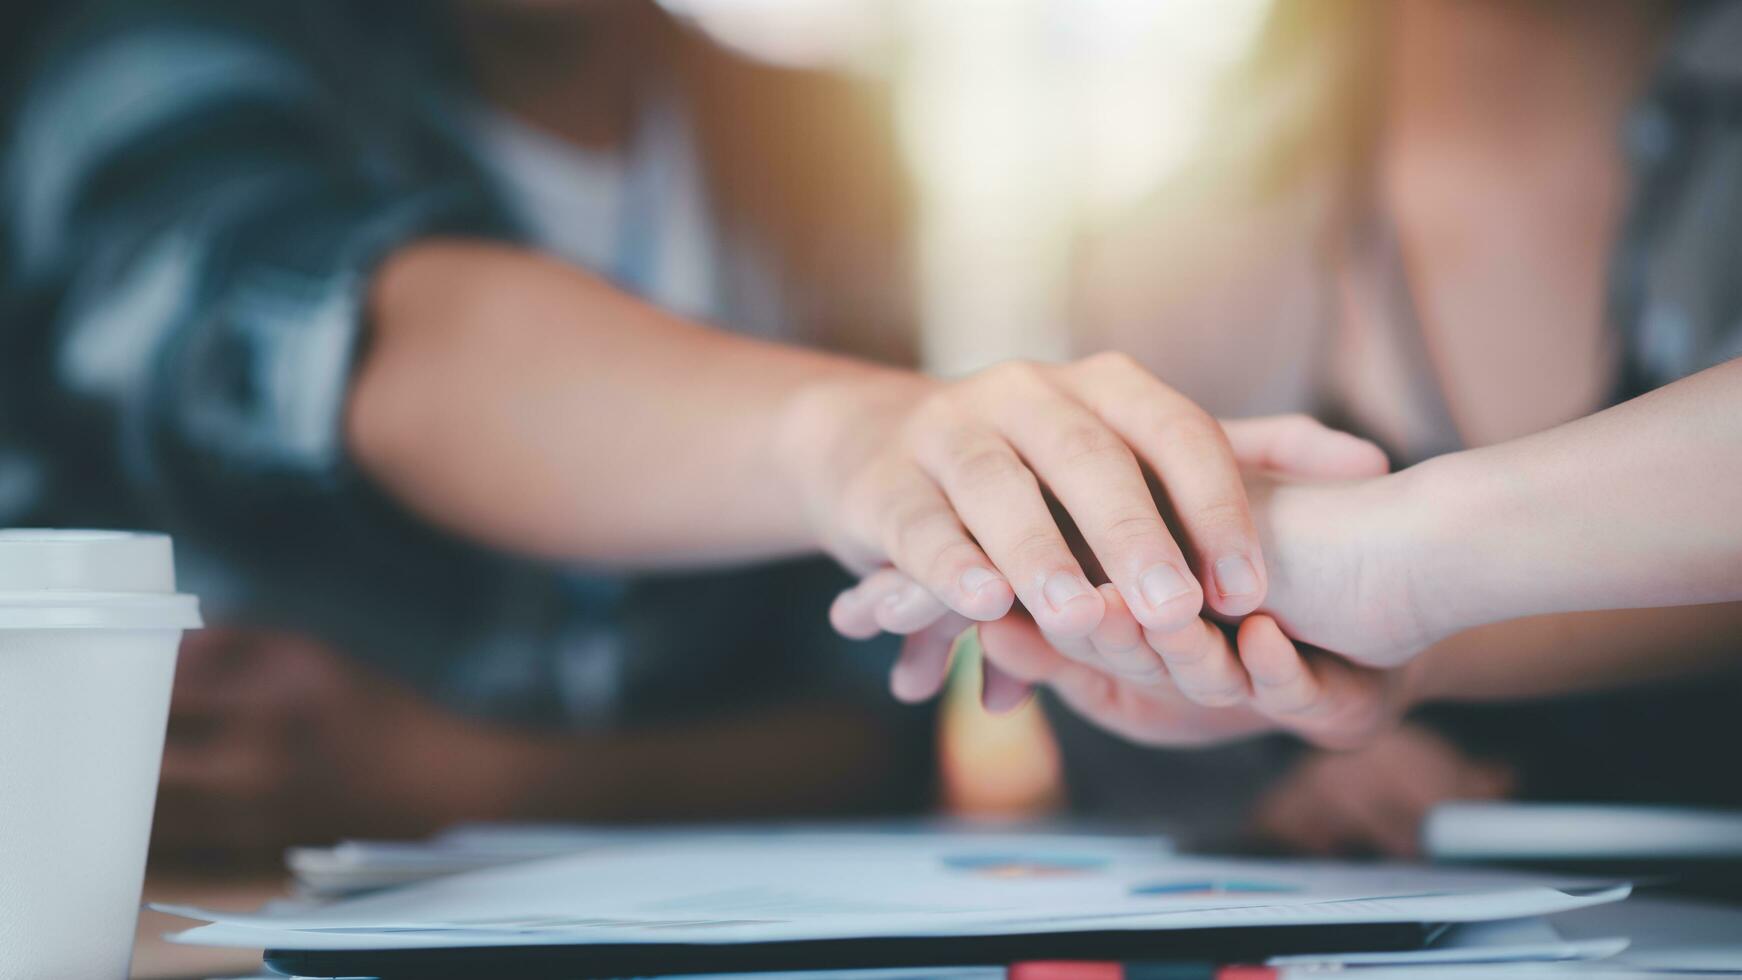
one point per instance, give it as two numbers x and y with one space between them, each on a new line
52 579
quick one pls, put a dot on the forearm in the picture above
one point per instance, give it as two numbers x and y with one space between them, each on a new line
529 405
1574 652
1637 506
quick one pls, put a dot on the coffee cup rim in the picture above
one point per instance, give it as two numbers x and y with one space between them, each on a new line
51 609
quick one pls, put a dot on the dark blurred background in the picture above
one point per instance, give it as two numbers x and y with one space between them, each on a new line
1436 223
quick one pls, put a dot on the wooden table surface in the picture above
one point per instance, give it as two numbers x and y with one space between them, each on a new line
155 959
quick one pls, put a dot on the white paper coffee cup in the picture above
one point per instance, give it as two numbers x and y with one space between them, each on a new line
89 626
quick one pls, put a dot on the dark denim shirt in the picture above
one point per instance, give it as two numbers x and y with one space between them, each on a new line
1676 283
194 195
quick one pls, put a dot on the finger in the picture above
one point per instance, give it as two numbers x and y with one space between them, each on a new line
910 609
923 536
1000 693
1021 650
1300 445
999 501
1118 643
1189 454
1146 715
853 614
884 601
924 664
1018 647
1079 649
1282 686
1203 664
1107 649
1322 698
1097 479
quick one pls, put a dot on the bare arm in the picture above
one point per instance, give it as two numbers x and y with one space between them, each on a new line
1523 569
1639 505
1602 552
532 406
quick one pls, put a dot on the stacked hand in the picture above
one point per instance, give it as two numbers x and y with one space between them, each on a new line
945 483
1316 655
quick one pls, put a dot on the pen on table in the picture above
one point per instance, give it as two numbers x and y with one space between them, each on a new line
1135 970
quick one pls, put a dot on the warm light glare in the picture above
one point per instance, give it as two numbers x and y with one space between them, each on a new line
994 767
1026 121
795 33
1149 75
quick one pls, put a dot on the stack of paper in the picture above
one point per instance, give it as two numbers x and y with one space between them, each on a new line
354 866
706 888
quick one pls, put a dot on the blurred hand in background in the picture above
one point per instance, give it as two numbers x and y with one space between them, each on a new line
276 739
1371 801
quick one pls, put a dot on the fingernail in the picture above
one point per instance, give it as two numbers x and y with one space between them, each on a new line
1236 577
906 596
1006 703
975 579
1163 584
1062 587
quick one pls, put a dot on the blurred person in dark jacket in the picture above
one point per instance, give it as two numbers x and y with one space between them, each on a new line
197 195
357 300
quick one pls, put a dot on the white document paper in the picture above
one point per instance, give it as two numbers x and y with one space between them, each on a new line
352 867
706 888
1532 940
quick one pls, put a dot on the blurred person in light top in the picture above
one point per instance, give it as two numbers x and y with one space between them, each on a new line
216 212
1463 229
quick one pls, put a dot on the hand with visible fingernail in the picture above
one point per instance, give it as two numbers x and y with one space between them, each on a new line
1030 484
1235 681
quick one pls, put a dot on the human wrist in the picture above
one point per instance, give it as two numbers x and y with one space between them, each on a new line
1341 562
829 429
1452 507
